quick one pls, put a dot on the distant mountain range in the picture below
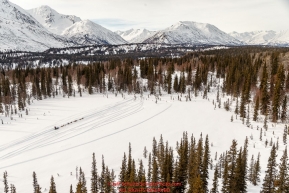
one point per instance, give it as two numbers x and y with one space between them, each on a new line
263 37
42 28
188 32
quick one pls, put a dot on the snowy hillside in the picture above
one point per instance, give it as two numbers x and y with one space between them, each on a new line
20 31
30 143
55 128
136 35
87 32
52 20
187 32
263 37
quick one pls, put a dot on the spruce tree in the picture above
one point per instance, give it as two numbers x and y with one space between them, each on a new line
266 122
107 181
237 184
122 174
112 179
206 163
145 152
129 163
271 173
198 185
283 173
52 188
225 176
35 183
276 101
256 109
264 91
284 110
71 190
231 160
183 153
243 171
102 176
5 181
215 181
94 178
149 168
256 171
133 175
155 171
251 169
78 188
243 103
81 182
38 190
237 107
285 133
192 167
12 188
248 117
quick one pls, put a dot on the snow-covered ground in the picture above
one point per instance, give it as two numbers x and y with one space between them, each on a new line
105 125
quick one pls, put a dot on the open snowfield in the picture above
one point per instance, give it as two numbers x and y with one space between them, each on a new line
106 125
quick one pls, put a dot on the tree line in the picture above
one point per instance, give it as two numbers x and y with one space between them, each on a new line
187 164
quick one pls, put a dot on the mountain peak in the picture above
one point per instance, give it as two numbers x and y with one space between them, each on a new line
43 10
135 35
52 20
45 7
21 31
88 32
88 22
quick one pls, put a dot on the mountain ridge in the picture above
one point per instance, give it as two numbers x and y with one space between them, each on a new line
189 32
42 28
52 20
263 37
136 35
20 31
87 32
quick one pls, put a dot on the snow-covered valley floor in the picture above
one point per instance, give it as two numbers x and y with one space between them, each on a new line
105 125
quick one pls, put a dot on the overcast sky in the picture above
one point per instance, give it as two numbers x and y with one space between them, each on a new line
227 15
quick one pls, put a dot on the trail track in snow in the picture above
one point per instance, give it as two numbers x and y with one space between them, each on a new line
49 136
92 119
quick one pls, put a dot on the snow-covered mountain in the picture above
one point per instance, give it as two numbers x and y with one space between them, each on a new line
136 35
70 26
20 31
87 32
188 32
254 37
282 38
43 28
263 37
52 20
